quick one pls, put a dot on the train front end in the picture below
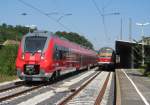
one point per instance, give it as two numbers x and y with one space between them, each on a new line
106 58
33 61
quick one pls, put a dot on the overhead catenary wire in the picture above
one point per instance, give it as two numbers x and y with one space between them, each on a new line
43 13
99 11
101 15
72 24
107 4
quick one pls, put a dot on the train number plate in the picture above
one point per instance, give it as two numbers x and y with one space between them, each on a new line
29 66
36 79
28 78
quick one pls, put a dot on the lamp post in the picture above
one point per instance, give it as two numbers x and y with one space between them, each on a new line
142 35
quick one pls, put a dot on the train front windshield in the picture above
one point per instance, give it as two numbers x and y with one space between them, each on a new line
105 53
34 44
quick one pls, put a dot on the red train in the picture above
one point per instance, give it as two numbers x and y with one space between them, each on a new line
42 55
106 58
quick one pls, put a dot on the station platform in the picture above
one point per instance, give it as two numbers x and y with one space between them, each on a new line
132 88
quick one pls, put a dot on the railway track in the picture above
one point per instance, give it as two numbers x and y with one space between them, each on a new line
18 90
11 86
68 86
68 99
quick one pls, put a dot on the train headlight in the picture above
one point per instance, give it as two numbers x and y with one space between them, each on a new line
42 57
22 56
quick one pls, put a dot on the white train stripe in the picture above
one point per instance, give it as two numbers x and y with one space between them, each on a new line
140 94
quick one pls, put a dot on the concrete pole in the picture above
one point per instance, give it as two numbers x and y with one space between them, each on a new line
132 45
130 29
143 55
121 29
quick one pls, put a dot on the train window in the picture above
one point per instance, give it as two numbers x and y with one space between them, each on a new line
64 55
56 54
34 44
60 53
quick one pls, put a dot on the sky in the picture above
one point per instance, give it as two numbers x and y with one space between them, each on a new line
84 17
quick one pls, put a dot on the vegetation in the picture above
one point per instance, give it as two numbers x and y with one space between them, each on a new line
12 32
7 62
74 37
8 56
7 77
144 69
137 55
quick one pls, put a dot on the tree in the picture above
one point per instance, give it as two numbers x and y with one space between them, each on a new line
12 32
76 38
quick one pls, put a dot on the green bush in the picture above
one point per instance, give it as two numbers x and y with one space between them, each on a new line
7 60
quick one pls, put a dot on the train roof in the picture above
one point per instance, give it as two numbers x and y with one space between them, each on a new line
63 42
105 48
74 47
39 33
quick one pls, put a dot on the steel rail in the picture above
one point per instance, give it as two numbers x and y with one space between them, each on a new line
14 85
118 89
4 98
21 92
67 99
102 91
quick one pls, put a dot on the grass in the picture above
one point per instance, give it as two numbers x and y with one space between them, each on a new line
4 78
7 63
141 70
145 72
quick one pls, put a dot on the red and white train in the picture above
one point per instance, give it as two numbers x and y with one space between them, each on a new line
42 55
106 58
